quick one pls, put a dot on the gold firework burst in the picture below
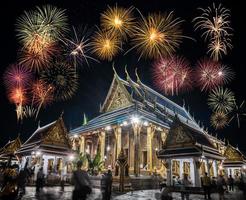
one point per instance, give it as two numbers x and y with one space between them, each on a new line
219 120
118 20
105 45
157 35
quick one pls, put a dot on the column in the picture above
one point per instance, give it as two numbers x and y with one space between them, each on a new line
150 135
136 143
192 172
197 175
181 168
82 145
215 165
102 137
168 166
117 132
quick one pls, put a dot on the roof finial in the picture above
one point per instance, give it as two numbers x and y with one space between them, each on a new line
127 74
62 114
38 123
136 73
85 120
183 103
115 73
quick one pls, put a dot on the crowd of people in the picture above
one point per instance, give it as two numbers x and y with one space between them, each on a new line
13 184
220 185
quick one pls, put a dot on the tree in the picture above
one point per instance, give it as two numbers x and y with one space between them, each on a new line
94 165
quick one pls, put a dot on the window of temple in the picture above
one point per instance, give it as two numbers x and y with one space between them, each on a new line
59 165
202 169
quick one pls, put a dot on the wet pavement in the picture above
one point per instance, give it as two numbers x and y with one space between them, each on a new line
50 193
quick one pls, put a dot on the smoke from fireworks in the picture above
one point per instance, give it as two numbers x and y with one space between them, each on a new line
210 74
63 80
157 35
105 45
78 47
118 21
172 75
17 76
221 100
219 120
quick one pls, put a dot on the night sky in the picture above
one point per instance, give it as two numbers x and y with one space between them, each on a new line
96 79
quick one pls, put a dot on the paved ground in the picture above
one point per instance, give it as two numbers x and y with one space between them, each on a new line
54 193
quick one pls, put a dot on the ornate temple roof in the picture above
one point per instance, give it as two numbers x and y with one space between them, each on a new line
233 156
183 141
127 97
50 139
10 148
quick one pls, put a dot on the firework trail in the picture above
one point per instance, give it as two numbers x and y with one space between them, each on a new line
219 120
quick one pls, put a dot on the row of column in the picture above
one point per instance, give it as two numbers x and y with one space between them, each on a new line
117 131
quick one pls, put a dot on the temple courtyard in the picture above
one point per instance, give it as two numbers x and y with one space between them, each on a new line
55 193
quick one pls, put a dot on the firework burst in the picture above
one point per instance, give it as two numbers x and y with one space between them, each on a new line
78 48
214 21
118 21
172 75
38 32
17 95
63 80
238 112
17 75
221 100
219 120
210 74
215 24
157 35
105 45
218 47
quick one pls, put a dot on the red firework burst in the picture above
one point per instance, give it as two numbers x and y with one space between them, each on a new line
210 74
172 75
17 75
17 96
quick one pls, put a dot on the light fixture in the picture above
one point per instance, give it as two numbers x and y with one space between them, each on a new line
146 123
156 149
105 157
38 153
159 128
108 128
75 136
244 166
71 157
108 148
125 123
135 119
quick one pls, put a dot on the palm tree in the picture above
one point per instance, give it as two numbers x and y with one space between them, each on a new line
94 165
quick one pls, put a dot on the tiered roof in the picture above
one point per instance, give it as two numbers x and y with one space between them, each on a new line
127 97
50 139
10 148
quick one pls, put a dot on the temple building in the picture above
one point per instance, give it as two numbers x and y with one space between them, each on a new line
189 151
138 120
48 147
7 153
235 161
